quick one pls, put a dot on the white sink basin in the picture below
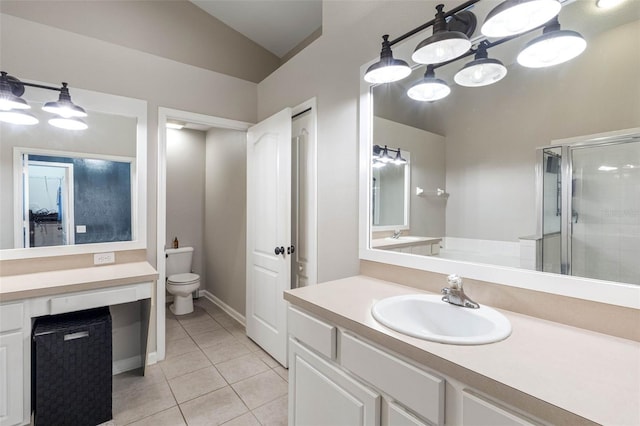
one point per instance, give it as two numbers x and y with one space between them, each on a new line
428 317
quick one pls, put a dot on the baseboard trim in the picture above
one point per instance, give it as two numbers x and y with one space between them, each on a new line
152 358
228 309
127 364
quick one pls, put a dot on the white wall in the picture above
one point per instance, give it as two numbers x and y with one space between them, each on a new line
186 192
225 224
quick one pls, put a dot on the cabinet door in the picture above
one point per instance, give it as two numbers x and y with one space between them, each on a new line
320 394
11 380
477 411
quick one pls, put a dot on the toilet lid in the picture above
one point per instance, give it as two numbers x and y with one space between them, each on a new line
184 278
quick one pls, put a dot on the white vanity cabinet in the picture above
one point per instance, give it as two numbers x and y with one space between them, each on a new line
337 378
12 347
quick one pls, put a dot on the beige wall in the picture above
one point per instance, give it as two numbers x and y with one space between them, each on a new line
225 222
186 192
175 29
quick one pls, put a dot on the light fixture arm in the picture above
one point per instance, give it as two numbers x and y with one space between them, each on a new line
430 23
17 86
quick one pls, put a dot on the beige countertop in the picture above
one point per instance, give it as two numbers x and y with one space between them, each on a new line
24 286
389 243
559 373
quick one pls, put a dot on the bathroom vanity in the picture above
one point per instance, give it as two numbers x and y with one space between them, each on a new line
27 296
345 368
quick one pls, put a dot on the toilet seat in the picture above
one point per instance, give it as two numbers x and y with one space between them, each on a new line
183 279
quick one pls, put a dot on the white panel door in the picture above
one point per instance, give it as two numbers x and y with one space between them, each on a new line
322 395
269 232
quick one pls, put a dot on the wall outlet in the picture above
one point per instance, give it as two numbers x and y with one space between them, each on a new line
81 229
104 258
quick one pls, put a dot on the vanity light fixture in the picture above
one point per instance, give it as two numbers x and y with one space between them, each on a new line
12 106
444 45
608 4
553 47
429 88
388 69
482 71
381 156
513 17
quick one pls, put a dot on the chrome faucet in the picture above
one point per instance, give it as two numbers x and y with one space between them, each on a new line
396 234
454 294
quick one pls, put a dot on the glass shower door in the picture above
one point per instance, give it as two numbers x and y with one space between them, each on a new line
603 213
551 173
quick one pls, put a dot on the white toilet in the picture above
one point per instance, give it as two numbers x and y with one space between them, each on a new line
181 283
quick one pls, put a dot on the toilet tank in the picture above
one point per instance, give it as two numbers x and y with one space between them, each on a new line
179 260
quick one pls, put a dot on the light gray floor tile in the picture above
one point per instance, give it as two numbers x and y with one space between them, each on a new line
247 419
184 364
208 306
135 380
170 417
213 408
258 390
134 404
266 358
206 324
175 333
180 347
225 351
225 320
212 338
236 329
241 368
282 372
171 322
253 347
196 383
273 413
198 314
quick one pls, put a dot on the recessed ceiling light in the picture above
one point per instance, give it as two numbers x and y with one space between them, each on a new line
174 125
607 168
608 4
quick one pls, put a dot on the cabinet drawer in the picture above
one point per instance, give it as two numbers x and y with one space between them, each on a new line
398 416
11 317
313 332
477 411
418 390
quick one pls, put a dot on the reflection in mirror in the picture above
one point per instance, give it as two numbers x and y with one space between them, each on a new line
475 154
77 199
390 190
85 189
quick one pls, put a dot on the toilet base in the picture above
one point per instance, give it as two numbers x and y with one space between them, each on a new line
181 305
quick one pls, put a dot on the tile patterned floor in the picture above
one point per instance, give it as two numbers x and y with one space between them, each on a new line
213 374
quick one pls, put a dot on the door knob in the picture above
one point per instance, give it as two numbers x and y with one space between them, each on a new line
279 250
291 250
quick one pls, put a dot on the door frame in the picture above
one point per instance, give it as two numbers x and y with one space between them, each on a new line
164 115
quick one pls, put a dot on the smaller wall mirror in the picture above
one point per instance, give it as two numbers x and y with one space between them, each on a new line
74 191
390 203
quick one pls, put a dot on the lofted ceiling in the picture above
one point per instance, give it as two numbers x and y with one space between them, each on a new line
277 25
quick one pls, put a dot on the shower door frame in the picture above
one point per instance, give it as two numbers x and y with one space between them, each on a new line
566 172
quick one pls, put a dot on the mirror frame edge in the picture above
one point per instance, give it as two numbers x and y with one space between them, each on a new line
608 292
111 104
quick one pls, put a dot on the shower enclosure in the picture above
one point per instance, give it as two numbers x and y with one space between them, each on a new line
589 207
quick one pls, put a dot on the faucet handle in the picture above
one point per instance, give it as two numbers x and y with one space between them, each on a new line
454 281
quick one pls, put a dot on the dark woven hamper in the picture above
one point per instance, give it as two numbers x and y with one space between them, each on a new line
72 369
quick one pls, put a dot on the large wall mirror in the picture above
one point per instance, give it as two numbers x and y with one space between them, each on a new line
532 181
74 191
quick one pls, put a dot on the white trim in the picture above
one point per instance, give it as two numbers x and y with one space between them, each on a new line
312 221
613 293
228 309
152 358
127 364
165 114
